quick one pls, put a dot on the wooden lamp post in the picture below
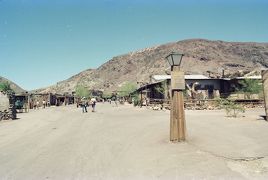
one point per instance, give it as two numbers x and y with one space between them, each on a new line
177 115
265 91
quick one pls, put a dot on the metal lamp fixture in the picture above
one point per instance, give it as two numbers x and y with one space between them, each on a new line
174 59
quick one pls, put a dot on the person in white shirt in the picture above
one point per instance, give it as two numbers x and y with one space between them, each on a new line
93 102
44 104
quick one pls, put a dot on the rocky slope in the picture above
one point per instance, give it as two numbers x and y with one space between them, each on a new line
200 57
13 86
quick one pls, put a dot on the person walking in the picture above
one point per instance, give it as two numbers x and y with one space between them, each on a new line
37 104
48 103
93 102
84 105
44 104
114 98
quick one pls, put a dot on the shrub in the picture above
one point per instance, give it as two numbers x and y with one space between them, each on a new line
232 109
251 86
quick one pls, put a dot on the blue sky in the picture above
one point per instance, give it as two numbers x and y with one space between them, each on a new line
45 41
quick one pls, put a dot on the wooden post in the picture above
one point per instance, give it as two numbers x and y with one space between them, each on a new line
265 89
177 115
141 99
166 90
28 103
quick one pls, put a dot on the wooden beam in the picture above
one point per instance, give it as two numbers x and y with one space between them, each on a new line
177 115
265 90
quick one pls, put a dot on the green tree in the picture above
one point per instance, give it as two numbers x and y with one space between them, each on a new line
251 86
136 99
127 88
82 91
5 86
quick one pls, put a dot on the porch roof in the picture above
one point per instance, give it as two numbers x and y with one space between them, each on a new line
249 77
189 77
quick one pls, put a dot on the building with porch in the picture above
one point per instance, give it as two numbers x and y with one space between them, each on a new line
196 86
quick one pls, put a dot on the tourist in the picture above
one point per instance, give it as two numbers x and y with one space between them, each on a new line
44 104
78 103
84 105
93 102
31 104
37 104
115 101
114 98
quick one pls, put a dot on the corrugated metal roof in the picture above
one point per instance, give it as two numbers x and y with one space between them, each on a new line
193 76
200 76
197 76
161 77
249 77
226 79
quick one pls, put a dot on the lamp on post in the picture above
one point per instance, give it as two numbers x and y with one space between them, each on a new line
174 59
177 115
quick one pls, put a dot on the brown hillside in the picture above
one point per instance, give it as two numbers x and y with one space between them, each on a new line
200 56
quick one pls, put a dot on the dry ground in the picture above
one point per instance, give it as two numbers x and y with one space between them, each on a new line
132 143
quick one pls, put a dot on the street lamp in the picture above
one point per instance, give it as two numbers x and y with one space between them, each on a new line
174 59
177 115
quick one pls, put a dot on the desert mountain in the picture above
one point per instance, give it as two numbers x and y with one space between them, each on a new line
201 56
13 86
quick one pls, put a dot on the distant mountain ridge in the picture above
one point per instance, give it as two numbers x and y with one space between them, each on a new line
13 86
201 56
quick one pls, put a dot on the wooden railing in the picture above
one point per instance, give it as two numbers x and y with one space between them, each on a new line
205 103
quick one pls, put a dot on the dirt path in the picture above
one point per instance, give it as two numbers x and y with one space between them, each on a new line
131 143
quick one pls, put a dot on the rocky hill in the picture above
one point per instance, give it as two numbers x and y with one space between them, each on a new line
13 86
200 57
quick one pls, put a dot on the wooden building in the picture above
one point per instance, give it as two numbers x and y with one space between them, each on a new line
61 99
35 100
197 86
22 102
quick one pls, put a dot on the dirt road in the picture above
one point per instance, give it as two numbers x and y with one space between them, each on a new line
131 143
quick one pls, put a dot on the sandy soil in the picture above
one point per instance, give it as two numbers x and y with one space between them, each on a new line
132 143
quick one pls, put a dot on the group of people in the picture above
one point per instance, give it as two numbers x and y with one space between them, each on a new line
113 99
85 103
35 104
